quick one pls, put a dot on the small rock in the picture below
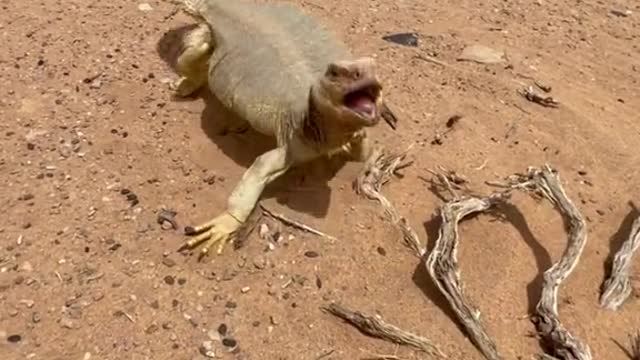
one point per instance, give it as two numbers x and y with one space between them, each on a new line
481 54
144 7
168 262
36 318
231 305
222 329
260 263
167 219
229 342
245 289
98 296
26 266
311 254
168 325
381 251
15 338
621 13
169 280
67 323
151 329
263 231
28 303
406 38
206 349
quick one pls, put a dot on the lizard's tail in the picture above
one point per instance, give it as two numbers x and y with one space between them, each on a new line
192 7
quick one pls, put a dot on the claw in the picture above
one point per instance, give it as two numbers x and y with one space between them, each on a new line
221 230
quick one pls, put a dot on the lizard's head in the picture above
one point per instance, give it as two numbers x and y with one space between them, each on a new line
352 89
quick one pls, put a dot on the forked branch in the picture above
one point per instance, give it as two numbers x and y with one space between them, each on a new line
617 287
442 266
561 342
377 171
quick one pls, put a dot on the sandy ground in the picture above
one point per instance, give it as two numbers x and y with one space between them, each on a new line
86 116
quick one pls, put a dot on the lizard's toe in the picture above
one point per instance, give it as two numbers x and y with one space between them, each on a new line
220 230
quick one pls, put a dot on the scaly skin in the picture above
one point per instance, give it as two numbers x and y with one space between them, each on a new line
324 129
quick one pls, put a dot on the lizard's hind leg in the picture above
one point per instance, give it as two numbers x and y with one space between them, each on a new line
192 64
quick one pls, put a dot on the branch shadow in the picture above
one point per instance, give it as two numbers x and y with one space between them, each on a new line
543 260
616 240
238 141
422 279
503 211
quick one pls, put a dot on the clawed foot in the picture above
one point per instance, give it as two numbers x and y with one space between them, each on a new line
184 87
222 230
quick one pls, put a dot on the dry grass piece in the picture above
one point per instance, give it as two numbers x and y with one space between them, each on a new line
293 223
442 266
565 346
377 171
617 287
374 326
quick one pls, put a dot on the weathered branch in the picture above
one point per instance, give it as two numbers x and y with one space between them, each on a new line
561 342
443 268
377 171
617 287
375 326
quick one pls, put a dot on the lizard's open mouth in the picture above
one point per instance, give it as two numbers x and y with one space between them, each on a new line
362 98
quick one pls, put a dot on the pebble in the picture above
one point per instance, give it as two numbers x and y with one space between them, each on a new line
168 262
144 7
222 329
206 349
67 323
229 342
15 338
231 305
28 303
311 254
151 329
264 231
381 251
169 280
245 289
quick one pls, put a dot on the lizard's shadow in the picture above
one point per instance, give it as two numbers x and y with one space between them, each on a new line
243 144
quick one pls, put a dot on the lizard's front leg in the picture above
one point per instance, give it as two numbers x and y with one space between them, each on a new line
223 228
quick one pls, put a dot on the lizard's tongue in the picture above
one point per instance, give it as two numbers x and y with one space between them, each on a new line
361 103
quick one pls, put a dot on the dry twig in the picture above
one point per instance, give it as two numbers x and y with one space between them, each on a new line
377 171
293 223
442 266
635 346
374 326
530 94
563 345
617 287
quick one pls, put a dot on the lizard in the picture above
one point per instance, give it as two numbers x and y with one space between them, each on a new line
288 77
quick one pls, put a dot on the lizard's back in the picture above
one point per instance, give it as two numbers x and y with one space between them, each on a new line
266 58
